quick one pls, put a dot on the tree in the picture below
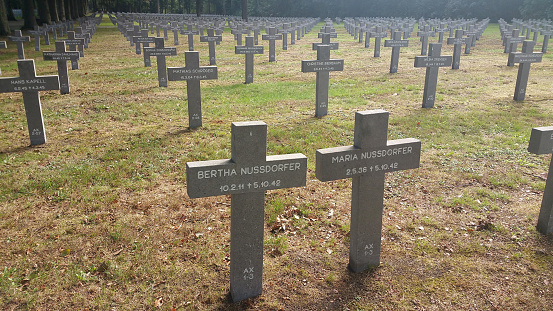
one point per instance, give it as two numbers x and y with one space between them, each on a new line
43 12
245 10
198 8
537 9
53 11
61 9
4 26
9 8
28 11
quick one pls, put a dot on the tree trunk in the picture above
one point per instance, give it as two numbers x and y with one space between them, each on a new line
9 9
74 11
198 8
67 9
61 9
53 11
43 12
245 10
4 26
28 10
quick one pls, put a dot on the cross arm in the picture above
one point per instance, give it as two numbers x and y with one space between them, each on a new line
41 83
222 177
349 161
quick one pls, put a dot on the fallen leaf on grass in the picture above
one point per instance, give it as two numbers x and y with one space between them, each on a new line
159 302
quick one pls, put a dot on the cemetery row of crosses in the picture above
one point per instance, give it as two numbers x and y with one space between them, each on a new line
250 172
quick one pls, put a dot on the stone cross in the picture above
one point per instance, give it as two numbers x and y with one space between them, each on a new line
424 34
378 34
396 44
62 56
249 49
36 34
322 66
160 52
142 38
3 45
512 43
432 62
190 33
541 142
192 73
238 32
272 36
285 31
325 37
211 38
525 59
18 38
175 29
29 84
457 42
246 177
366 162
74 43
547 32
471 38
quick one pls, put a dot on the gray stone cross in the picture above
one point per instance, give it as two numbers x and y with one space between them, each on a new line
192 73
160 52
142 38
366 162
18 38
525 59
457 42
396 44
249 50
432 62
424 34
3 45
511 44
272 36
541 142
75 43
246 177
377 34
547 32
325 37
62 56
211 39
29 84
190 33
322 66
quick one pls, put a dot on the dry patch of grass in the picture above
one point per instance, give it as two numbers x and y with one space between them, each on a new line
98 218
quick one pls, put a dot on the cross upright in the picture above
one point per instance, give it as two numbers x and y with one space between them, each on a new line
546 32
142 38
29 84
36 34
74 43
525 59
62 56
211 38
512 43
322 66
135 32
18 38
45 33
80 33
366 162
457 42
440 30
432 62
3 45
325 37
160 52
378 34
192 73
541 142
424 34
246 177
272 36
175 28
285 31
238 32
396 44
249 50
190 33
471 34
